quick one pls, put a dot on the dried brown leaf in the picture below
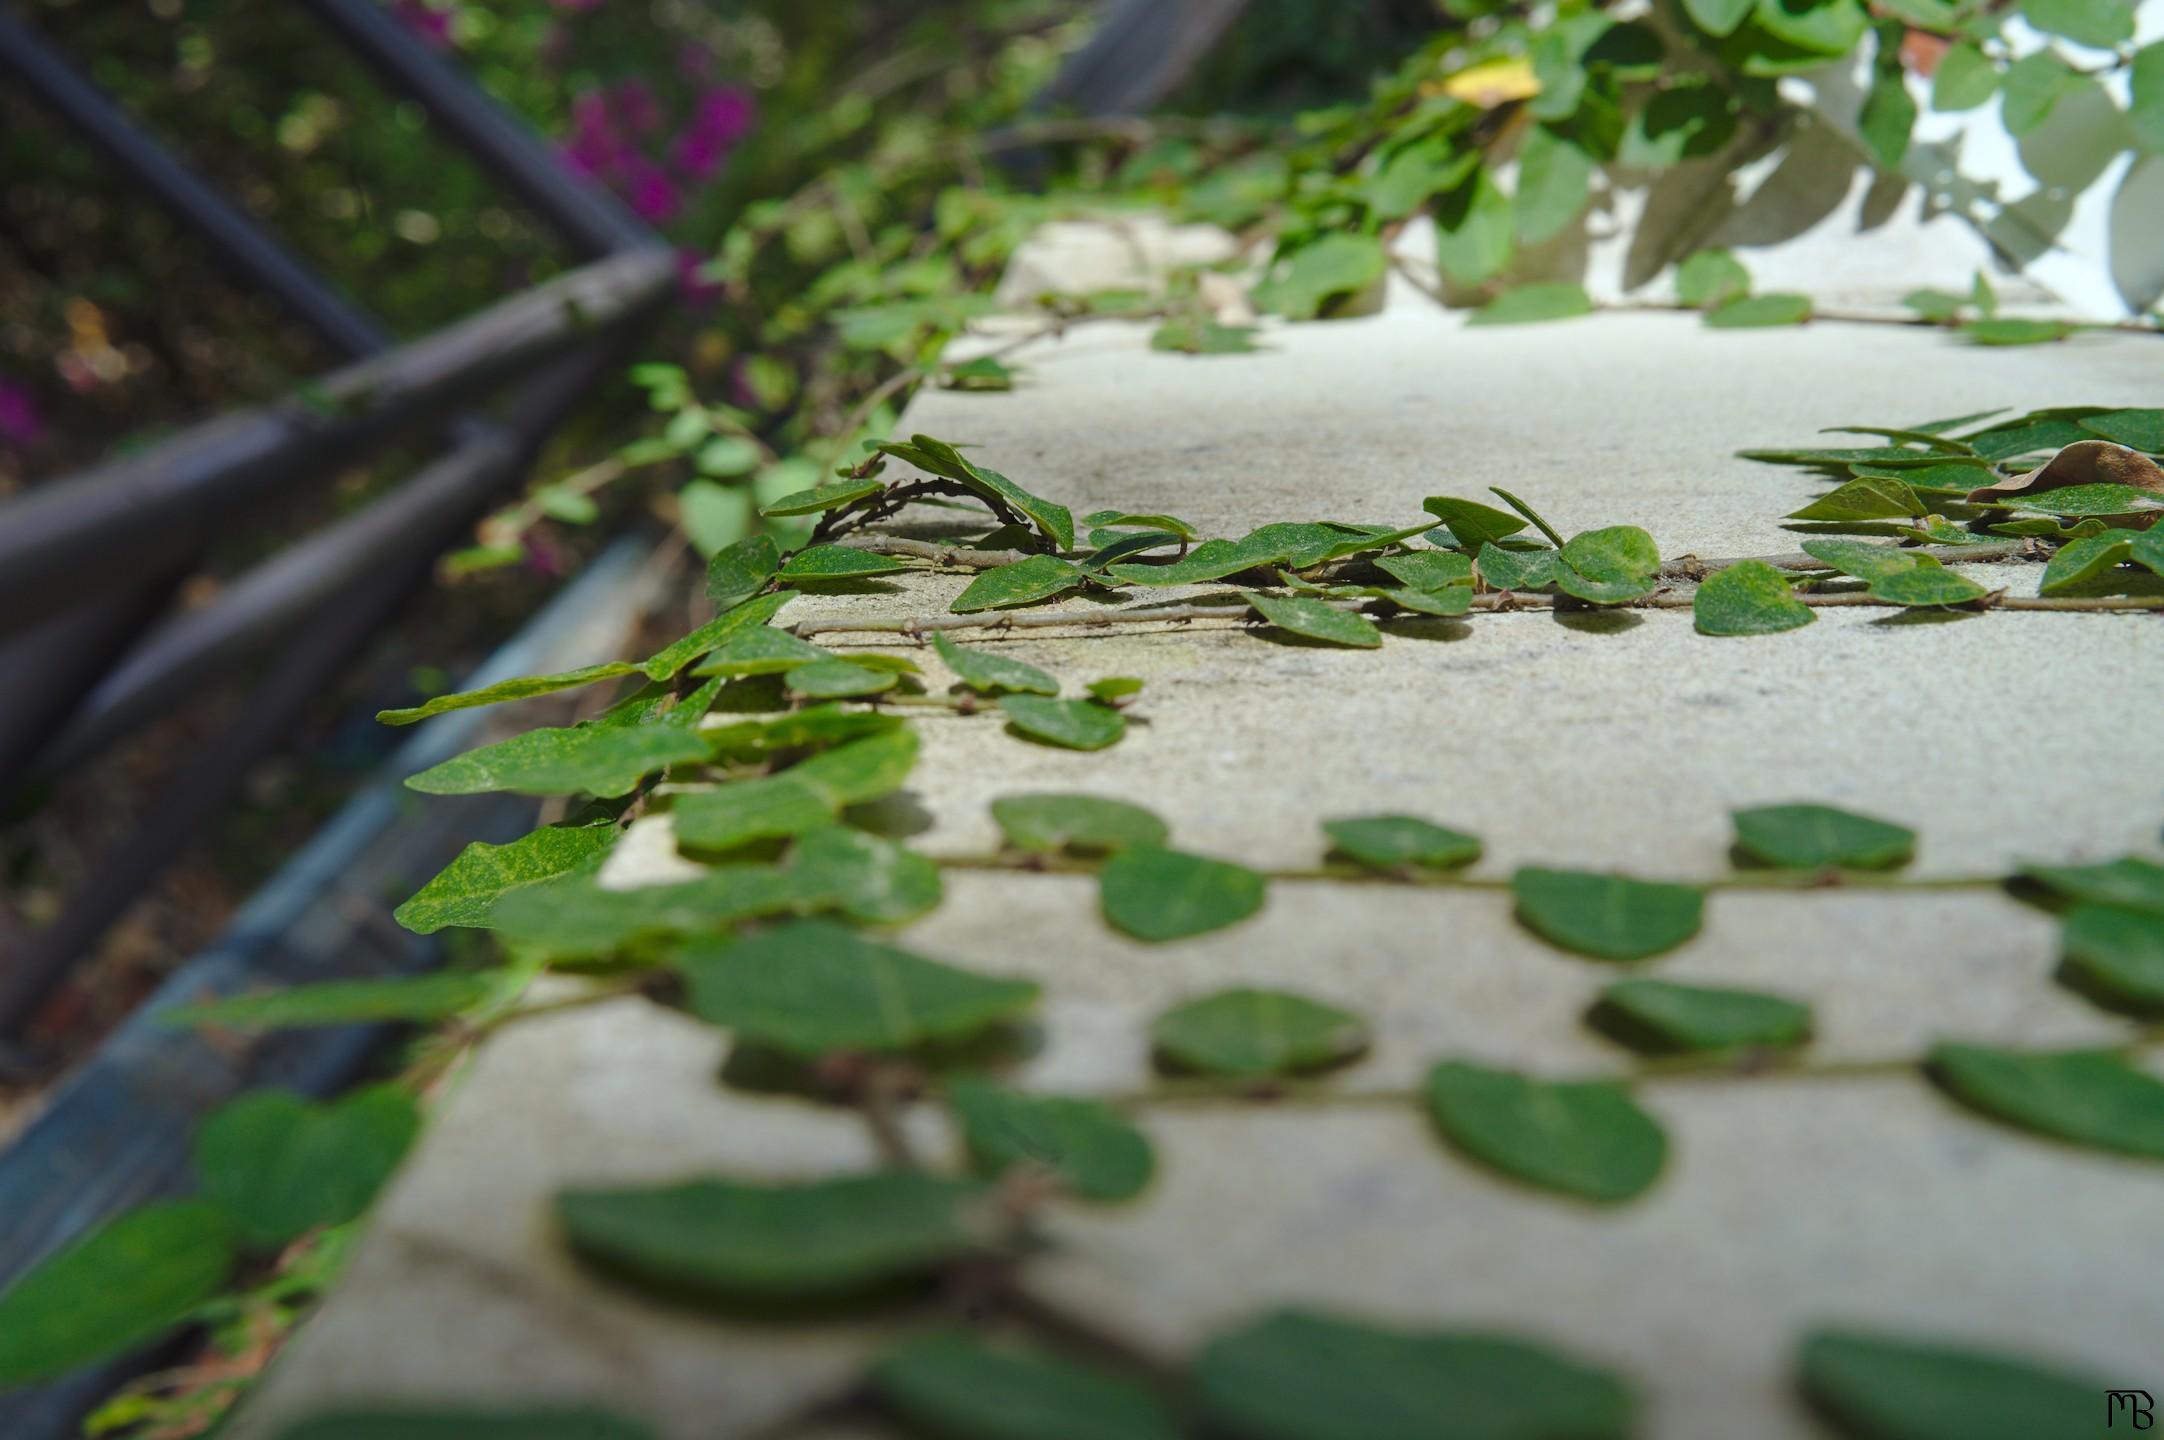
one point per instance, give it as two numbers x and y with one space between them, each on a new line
2085 462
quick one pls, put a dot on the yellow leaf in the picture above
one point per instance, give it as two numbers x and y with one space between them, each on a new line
1493 83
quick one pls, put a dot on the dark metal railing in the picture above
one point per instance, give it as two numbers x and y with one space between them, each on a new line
88 563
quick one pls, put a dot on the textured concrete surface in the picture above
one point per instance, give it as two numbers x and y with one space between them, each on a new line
1618 743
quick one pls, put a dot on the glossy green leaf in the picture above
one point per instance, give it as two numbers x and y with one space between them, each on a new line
1863 560
1609 566
1816 837
2130 881
988 673
1251 1034
1587 1139
1474 230
1554 172
1473 526
1965 79
958 1387
1502 569
801 798
283 1166
1325 270
1748 598
450 1424
1072 724
1157 894
1869 497
872 880
1086 1144
1753 312
1428 569
1889 112
418 998
1302 1375
523 688
1538 301
821 498
835 678
1608 917
2081 561
118 1288
1711 277
2091 500
820 1240
2085 1097
664 663
836 562
1450 601
574 917
1819 27
2101 24
1926 583
1880 1387
812 987
1089 824
763 651
1391 842
594 758
1147 522
738 572
2135 429
1025 582
1317 620
1661 1017
2115 953
466 890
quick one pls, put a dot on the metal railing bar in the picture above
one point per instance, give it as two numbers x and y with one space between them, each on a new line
590 217
232 233
308 666
46 670
64 540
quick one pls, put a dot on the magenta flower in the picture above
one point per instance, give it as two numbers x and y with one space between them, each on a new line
21 426
725 113
652 193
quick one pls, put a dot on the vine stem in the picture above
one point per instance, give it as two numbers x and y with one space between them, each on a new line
1771 880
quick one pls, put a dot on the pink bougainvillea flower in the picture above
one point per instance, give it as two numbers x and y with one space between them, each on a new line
652 193
726 114
21 426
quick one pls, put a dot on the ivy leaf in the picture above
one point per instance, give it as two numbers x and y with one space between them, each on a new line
2135 429
1328 269
1751 312
1889 111
962 1388
874 881
764 651
738 572
1474 230
803 797
1821 27
466 890
1448 602
2116 955
835 679
1317 620
664 663
2100 24
1587 1139
1087 1144
1428 569
1191 336
1926 583
823 563
282 1166
419 998
742 1242
1302 1375
1528 304
1073 724
1608 567
985 372
1502 569
574 917
1114 688
2085 1097
822 498
988 674
1473 526
1870 497
1861 559
120 1287
1818 837
1553 174
2010 330
1748 598
1025 582
1876 1387
594 758
1710 278
2081 561
554 1424
1965 79
1251 1034
2105 500
1391 842
1719 17
1158 894
1661 1017
2135 883
1089 824
811 987
1608 917
1952 477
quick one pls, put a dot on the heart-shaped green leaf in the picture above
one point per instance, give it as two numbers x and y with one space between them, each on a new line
1471 523
1153 893
821 498
1250 1034
1391 842
2087 1097
1660 1016
836 562
1533 303
466 890
1927 583
1025 582
1587 1139
1087 1144
989 674
1814 837
1317 620
1609 917
282 1166
1073 724
835 678
1086 823
1871 497
1877 1387
1748 598
2116 955
1753 312
764 651
2130 881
